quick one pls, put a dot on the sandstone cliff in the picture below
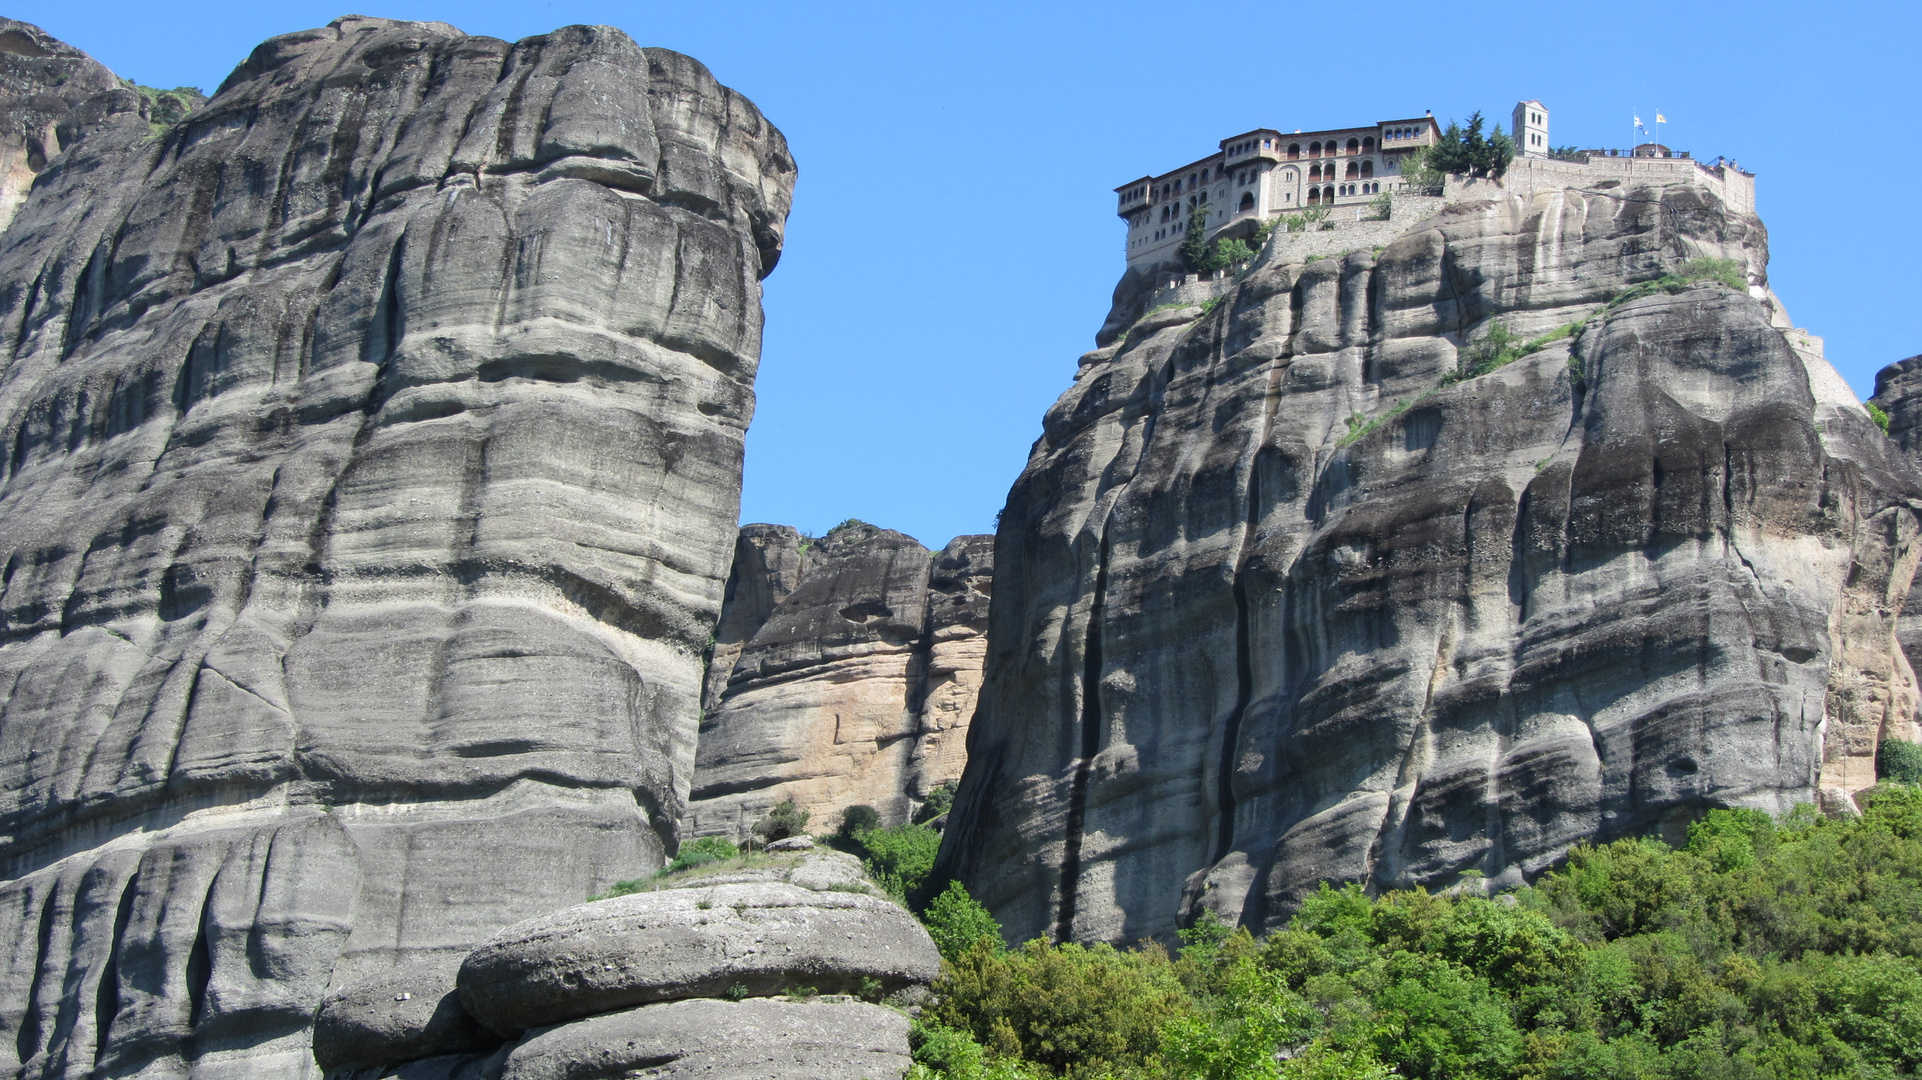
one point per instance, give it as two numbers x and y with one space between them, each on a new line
44 82
1323 583
370 451
843 674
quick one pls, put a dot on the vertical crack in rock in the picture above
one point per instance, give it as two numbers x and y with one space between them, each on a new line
1076 822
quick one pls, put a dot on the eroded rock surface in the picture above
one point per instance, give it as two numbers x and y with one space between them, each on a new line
855 687
1278 601
704 940
371 445
766 1039
51 95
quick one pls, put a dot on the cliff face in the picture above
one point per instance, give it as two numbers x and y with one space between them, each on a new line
43 82
1280 598
856 685
371 446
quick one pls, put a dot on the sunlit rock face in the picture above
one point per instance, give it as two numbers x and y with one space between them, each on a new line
370 450
44 82
1287 594
845 674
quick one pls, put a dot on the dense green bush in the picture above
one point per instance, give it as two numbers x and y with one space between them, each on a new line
700 852
783 821
941 799
900 857
956 921
1764 949
1897 760
1467 150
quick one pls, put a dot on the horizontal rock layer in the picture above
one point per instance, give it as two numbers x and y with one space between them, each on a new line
855 665
1278 600
722 1040
370 451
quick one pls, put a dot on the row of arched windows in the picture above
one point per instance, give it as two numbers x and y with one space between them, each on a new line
1356 170
1332 148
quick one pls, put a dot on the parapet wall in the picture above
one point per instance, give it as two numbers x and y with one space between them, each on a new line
1526 175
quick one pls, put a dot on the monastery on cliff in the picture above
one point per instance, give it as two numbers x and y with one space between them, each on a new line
1263 174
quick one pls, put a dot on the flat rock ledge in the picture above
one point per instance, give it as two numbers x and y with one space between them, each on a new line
682 981
776 1039
749 939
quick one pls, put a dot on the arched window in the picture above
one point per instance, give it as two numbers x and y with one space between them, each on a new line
1368 145
1354 146
1328 193
1367 169
1314 149
1294 151
1314 174
1247 201
1314 196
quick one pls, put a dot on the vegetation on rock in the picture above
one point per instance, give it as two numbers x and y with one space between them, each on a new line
782 821
1768 949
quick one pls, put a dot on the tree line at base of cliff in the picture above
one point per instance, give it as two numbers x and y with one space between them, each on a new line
1774 949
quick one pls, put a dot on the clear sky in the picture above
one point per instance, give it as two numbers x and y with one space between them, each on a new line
953 244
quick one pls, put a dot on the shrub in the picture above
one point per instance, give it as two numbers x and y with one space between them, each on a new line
783 821
620 888
856 820
1076 1010
900 857
956 921
941 799
1382 207
1876 414
1899 762
1196 253
700 852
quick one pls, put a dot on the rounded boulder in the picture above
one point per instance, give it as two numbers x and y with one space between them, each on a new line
748 939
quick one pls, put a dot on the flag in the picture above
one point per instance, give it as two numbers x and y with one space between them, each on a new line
1660 119
1638 121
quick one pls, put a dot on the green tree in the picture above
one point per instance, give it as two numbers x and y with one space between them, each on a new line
1079 1011
900 857
1196 253
941 799
1897 760
956 921
783 821
857 820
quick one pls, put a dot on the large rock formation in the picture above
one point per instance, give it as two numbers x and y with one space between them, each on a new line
679 980
1288 592
851 671
43 84
371 450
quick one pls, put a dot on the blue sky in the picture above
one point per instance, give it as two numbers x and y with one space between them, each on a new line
953 244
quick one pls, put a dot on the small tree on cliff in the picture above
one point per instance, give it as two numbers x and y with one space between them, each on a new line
1196 253
1467 150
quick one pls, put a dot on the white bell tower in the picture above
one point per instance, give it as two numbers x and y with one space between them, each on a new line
1530 129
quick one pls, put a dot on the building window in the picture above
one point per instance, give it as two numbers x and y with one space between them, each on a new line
1314 196
1354 146
1314 149
1367 169
1247 201
1354 170
1294 151
1368 145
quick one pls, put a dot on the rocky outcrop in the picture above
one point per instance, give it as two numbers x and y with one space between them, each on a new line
855 687
371 447
1322 585
47 92
684 980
